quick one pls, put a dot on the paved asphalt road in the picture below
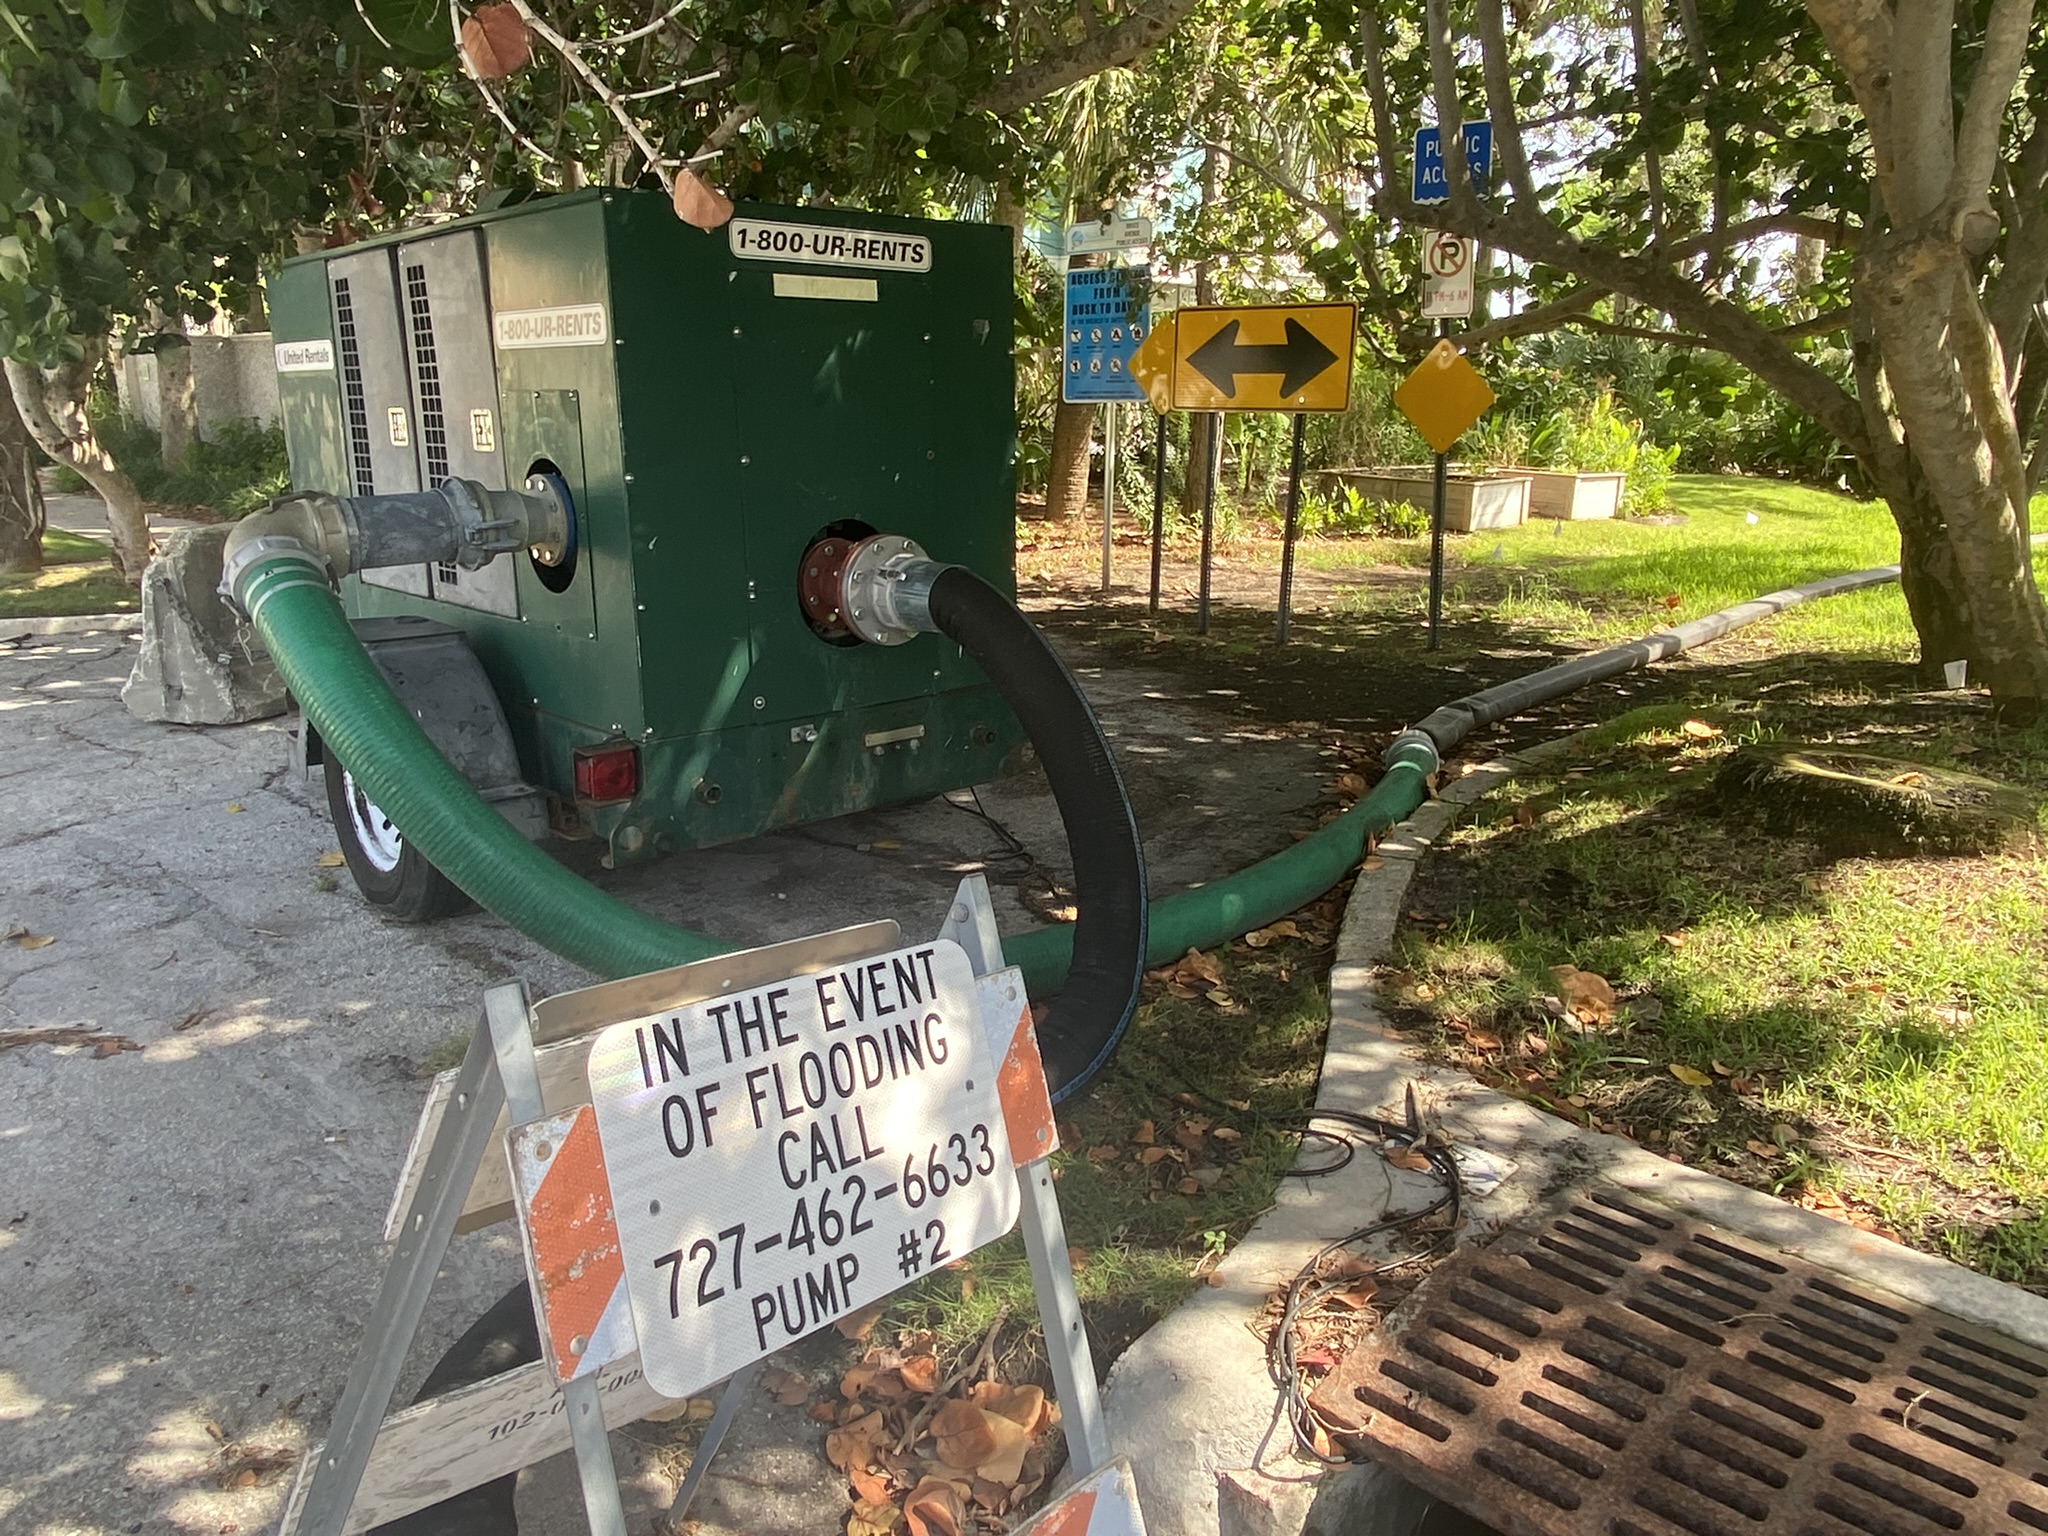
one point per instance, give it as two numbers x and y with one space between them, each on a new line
188 1225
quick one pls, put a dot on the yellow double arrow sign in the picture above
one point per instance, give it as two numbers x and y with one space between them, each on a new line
1260 357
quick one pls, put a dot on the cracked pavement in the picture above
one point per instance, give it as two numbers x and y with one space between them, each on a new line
187 1229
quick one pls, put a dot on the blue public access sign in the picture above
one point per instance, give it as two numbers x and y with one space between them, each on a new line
1106 319
1429 162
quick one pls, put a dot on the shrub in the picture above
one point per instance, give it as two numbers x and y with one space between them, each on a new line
234 472
1602 436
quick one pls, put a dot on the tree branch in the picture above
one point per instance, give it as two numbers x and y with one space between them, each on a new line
1531 322
1500 103
1727 327
1450 115
614 103
1998 70
1112 48
2022 275
1372 45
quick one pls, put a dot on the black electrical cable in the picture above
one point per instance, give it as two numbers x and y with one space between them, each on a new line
1087 1020
1305 1290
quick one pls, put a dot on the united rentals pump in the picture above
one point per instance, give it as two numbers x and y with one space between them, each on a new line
705 409
630 522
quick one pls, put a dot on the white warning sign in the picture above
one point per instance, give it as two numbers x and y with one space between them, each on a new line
782 1156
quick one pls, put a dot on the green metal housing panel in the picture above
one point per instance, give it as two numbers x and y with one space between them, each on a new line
713 414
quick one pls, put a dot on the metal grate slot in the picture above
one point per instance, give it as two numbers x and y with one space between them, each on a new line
1705 1287
354 404
1582 1257
1731 1457
1613 1399
1842 1319
1544 1264
1906 1461
1599 1240
1814 1408
1744 1424
1967 1393
1689 1474
426 367
2026 1514
1664 1354
1805 1379
1898 1493
1578 1423
1812 1356
1969 1367
1978 1346
1534 1480
1674 1322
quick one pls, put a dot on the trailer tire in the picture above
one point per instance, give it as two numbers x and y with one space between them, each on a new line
391 873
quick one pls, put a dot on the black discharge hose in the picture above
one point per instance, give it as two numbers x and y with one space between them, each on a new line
1088 1019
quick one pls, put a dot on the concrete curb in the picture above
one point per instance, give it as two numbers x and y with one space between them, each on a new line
1192 1404
71 624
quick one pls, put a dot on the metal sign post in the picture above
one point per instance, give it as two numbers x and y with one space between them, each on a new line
1293 524
1108 487
1259 357
1215 457
965 1076
1442 397
1158 511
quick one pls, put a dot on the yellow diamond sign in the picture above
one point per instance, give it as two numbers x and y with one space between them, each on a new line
1443 396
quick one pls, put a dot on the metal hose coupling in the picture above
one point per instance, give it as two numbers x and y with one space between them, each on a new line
885 589
460 521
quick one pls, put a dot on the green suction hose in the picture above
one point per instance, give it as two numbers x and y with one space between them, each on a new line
1256 895
286 594
287 598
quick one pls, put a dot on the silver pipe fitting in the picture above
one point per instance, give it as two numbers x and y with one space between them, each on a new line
460 521
886 590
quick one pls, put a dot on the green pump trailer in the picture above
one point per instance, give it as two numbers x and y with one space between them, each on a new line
720 417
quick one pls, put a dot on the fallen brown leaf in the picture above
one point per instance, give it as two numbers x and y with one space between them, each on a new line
920 1373
1406 1157
1006 1462
786 1387
1145 1134
962 1435
869 1487
852 1445
1585 993
1025 1405
874 1519
935 1508
1700 730
1692 1077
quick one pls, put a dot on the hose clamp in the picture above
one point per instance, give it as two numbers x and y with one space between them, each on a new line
244 557
1410 741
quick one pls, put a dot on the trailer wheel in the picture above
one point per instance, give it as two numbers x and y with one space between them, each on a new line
391 873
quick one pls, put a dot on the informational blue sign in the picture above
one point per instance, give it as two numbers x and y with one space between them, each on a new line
1430 186
1106 319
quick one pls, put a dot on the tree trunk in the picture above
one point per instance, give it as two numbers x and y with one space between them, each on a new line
21 498
52 406
1066 481
177 400
1931 339
1066 471
1202 425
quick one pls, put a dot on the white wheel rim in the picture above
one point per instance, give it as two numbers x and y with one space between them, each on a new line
380 841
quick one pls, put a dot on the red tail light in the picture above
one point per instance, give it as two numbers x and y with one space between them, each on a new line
608 773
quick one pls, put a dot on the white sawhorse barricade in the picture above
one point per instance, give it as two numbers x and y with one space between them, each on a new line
859 1113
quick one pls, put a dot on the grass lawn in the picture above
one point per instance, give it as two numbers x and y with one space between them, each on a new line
78 576
1863 1035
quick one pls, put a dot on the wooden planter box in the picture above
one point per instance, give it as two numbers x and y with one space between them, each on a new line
1473 500
1562 494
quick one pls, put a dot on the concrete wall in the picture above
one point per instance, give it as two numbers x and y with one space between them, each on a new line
234 378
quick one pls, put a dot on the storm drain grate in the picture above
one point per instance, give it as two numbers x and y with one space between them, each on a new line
1613 1367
